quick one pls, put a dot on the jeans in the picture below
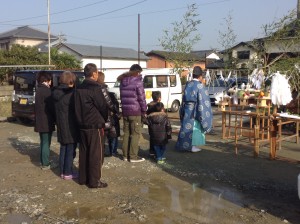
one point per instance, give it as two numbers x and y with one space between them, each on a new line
45 142
113 145
66 156
159 150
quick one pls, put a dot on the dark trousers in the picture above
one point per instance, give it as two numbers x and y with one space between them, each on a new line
91 156
45 142
113 145
66 156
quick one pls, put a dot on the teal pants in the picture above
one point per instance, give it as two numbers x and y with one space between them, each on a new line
132 131
45 142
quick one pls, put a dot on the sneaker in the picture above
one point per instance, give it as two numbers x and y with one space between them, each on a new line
70 177
125 159
139 159
46 167
160 162
196 149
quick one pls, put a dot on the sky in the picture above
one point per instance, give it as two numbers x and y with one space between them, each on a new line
114 23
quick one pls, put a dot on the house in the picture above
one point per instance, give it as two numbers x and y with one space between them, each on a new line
25 36
209 56
244 54
285 41
104 57
158 59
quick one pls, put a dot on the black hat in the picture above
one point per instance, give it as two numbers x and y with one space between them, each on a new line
197 71
135 68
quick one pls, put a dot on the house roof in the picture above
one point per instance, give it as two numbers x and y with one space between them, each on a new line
107 52
26 32
203 53
215 64
163 54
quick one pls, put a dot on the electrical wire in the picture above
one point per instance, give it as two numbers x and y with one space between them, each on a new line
55 13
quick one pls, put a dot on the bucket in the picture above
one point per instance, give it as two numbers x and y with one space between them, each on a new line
299 186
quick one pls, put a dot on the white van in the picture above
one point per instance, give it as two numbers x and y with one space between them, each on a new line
163 80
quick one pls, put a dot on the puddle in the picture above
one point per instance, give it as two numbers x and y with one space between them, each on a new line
89 213
15 218
205 203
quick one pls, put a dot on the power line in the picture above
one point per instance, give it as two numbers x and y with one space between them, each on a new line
56 13
98 15
89 17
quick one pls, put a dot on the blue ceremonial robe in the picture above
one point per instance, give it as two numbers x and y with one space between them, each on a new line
195 116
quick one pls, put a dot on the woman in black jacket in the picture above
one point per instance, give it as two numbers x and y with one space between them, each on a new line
44 116
67 130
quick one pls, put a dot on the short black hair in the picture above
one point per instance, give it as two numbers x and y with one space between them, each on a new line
89 69
135 68
159 106
44 76
197 72
156 95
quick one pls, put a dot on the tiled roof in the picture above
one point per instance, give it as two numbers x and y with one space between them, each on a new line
203 53
26 32
163 54
107 52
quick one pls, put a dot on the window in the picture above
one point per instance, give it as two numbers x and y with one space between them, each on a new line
243 54
161 81
148 82
173 80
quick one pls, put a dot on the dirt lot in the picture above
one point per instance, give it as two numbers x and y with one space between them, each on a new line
212 186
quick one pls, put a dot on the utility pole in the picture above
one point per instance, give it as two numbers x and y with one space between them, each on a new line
49 55
298 9
139 39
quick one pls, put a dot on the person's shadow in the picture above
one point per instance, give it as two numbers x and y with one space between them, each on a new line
32 149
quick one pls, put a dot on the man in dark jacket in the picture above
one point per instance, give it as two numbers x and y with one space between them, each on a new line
44 116
91 114
133 108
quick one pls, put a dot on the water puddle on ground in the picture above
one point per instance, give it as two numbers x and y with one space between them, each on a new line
198 201
15 218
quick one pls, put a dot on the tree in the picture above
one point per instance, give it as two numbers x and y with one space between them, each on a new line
179 40
64 60
282 37
227 39
26 55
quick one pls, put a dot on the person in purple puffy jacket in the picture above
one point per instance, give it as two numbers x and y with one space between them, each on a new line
134 107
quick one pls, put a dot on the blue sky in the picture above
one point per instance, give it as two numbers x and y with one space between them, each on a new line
115 22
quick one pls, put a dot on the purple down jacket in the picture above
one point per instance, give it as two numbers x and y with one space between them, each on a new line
132 95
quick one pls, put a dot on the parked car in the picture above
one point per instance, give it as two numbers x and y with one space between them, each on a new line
219 87
163 80
23 96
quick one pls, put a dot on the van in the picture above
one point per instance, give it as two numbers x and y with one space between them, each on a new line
163 80
23 96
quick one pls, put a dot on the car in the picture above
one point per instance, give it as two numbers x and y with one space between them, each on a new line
163 80
218 88
23 96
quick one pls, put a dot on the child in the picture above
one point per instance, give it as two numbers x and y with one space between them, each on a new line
114 132
156 97
160 130
112 126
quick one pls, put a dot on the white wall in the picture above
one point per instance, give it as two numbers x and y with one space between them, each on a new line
113 63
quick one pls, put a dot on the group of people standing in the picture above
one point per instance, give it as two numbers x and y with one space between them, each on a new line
85 114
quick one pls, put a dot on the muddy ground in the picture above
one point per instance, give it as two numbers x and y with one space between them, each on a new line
212 186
